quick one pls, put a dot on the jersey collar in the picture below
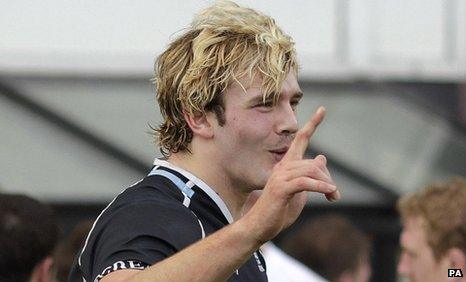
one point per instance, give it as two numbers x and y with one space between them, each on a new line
202 185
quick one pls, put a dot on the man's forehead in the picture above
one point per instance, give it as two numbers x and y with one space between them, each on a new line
414 222
252 86
413 231
409 242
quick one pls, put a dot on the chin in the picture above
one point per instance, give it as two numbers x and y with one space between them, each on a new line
257 178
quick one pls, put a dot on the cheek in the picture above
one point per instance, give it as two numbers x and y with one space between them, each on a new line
252 136
424 269
257 126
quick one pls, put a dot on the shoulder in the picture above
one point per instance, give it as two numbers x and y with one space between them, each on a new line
151 206
146 213
146 223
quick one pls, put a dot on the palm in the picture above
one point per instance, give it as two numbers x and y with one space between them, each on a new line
295 207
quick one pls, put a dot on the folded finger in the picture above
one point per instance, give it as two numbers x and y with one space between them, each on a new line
308 170
311 185
333 196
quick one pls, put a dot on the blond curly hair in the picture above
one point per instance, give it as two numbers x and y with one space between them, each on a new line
442 206
225 43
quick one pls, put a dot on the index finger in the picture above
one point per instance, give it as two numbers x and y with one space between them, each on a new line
301 139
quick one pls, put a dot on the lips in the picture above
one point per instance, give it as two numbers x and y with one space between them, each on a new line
280 150
279 153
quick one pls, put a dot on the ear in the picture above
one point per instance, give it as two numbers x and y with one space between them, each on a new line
43 271
200 124
457 258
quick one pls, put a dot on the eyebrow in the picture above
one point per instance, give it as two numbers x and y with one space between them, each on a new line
258 99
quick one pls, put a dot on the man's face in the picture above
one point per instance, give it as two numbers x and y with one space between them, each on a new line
417 261
255 135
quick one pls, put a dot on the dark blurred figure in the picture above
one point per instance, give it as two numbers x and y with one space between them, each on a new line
28 234
67 249
333 247
433 238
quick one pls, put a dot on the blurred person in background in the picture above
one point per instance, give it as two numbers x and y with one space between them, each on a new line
228 93
281 267
433 238
66 250
28 235
333 247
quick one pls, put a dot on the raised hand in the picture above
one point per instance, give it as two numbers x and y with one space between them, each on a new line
285 193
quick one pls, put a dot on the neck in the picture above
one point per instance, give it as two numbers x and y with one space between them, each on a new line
212 174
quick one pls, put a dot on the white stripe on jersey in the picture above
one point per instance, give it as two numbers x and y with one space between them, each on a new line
202 185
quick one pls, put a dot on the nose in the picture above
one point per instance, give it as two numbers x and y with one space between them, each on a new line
286 123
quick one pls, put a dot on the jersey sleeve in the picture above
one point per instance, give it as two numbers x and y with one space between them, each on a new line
141 234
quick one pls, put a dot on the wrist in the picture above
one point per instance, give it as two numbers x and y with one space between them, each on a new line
248 233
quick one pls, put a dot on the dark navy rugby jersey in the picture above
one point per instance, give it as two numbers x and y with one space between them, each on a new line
162 214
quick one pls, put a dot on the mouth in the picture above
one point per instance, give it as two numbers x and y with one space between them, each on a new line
279 153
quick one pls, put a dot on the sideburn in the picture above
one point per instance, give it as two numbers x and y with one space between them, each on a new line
219 114
216 105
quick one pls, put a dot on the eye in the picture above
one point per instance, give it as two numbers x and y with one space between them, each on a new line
294 104
266 104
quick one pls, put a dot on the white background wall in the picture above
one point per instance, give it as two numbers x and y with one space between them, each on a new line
402 39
